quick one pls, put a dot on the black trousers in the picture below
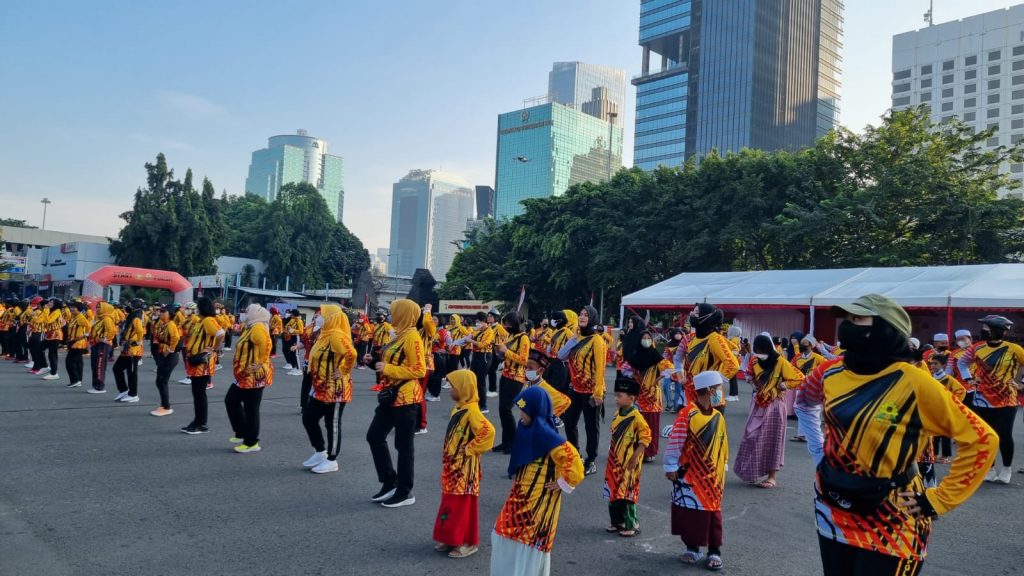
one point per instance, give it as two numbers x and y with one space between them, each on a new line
557 375
307 385
437 375
199 399
453 364
943 446
581 406
404 420
35 348
330 413
479 365
289 354
734 387
506 399
243 406
20 351
273 345
74 365
165 365
844 560
1001 420
492 373
5 342
98 359
227 337
51 347
464 358
126 374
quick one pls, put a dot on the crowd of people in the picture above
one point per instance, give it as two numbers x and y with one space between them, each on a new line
877 411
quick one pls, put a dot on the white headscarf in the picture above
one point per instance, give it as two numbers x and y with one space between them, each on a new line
255 314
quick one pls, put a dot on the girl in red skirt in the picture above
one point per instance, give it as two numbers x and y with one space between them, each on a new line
469 435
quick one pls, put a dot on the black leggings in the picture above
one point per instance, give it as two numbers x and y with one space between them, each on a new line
289 354
36 349
479 366
843 560
331 415
506 399
127 366
581 406
492 373
199 399
74 365
1001 420
51 347
243 406
165 365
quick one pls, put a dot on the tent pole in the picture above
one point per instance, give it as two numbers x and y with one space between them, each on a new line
622 316
810 329
949 317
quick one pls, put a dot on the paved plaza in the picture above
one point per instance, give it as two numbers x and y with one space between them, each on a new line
92 487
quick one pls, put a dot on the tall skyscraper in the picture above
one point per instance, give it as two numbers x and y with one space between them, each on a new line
484 202
429 211
297 158
971 69
573 84
735 73
545 149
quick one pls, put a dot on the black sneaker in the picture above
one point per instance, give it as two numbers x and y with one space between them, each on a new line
194 429
590 468
500 448
399 500
386 492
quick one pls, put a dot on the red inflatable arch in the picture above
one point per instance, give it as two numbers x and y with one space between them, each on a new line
124 276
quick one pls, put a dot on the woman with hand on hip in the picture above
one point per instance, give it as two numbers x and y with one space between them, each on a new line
331 361
253 372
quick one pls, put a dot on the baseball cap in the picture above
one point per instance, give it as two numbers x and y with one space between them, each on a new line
881 306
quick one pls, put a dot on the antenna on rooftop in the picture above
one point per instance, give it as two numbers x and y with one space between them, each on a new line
929 16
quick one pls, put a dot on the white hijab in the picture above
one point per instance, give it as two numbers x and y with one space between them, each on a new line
256 314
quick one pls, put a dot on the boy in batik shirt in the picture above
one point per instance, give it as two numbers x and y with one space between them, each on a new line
630 437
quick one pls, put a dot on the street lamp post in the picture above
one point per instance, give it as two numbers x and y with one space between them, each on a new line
46 202
611 126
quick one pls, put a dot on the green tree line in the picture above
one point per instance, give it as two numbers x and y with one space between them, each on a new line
174 226
905 193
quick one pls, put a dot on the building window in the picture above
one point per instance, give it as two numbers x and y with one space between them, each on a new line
1018 65
994 127
970 102
994 84
1015 138
901 101
992 142
1017 109
1016 168
969 88
926 96
900 88
993 98
994 55
1017 124
970 74
970 60
947 106
947 65
1018 80
947 119
993 70
1018 50
926 83
926 69
992 113
901 75
947 79
969 117
1018 94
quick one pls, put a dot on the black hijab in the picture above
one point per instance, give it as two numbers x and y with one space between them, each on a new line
592 321
763 345
871 349
642 358
707 319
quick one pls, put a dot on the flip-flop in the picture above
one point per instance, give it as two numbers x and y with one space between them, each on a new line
629 533
690 557
611 529
714 562
767 484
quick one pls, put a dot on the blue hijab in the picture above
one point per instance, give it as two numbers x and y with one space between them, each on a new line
541 436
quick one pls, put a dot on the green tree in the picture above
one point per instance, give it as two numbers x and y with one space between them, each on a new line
15 223
245 219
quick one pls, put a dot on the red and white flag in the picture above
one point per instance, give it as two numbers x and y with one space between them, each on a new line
366 304
522 298
200 288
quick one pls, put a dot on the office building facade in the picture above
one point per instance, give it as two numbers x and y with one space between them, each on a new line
294 158
971 69
484 202
429 211
573 83
735 74
545 149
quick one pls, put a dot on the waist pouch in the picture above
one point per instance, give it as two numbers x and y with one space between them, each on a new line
859 494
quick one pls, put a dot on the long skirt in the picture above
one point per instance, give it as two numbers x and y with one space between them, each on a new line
456 523
763 448
697 528
511 558
653 420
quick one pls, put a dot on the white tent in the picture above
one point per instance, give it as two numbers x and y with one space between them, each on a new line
996 286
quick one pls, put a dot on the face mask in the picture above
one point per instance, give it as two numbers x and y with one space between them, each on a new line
938 373
554 323
942 348
531 375
761 356
716 396
855 337
678 337
963 343
646 343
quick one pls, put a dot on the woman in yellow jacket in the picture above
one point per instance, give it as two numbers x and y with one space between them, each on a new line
78 343
53 335
202 347
330 368
402 364
126 366
101 335
253 372
276 328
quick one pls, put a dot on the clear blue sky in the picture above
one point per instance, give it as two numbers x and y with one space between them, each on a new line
89 91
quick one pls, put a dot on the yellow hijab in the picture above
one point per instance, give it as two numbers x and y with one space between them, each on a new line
404 314
335 322
464 384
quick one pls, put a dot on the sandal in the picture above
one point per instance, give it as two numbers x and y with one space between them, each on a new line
692 557
714 562
611 528
463 552
767 484
798 439
439 547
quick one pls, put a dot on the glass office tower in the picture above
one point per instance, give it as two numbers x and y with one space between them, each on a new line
545 149
292 158
731 74
573 84
429 212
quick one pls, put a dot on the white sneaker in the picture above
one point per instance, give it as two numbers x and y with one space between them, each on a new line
991 476
420 431
130 399
28 366
326 466
219 367
446 385
185 381
732 398
140 362
120 396
227 348
95 391
295 372
492 394
74 385
1004 475
315 459
51 377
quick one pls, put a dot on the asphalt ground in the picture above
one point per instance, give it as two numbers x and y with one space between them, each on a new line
92 487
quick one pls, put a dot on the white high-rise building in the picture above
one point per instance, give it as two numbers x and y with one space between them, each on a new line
972 69
429 211
293 158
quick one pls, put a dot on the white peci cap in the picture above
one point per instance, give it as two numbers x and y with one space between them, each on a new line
963 333
708 379
940 338
915 343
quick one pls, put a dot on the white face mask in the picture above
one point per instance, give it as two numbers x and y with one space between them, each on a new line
532 376
646 343
963 343
761 356
716 396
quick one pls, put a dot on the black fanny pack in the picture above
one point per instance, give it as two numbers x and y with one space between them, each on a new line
197 359
387 396
859 494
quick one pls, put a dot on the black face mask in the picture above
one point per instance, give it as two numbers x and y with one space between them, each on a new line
855 338
941 348
870 349
805 348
